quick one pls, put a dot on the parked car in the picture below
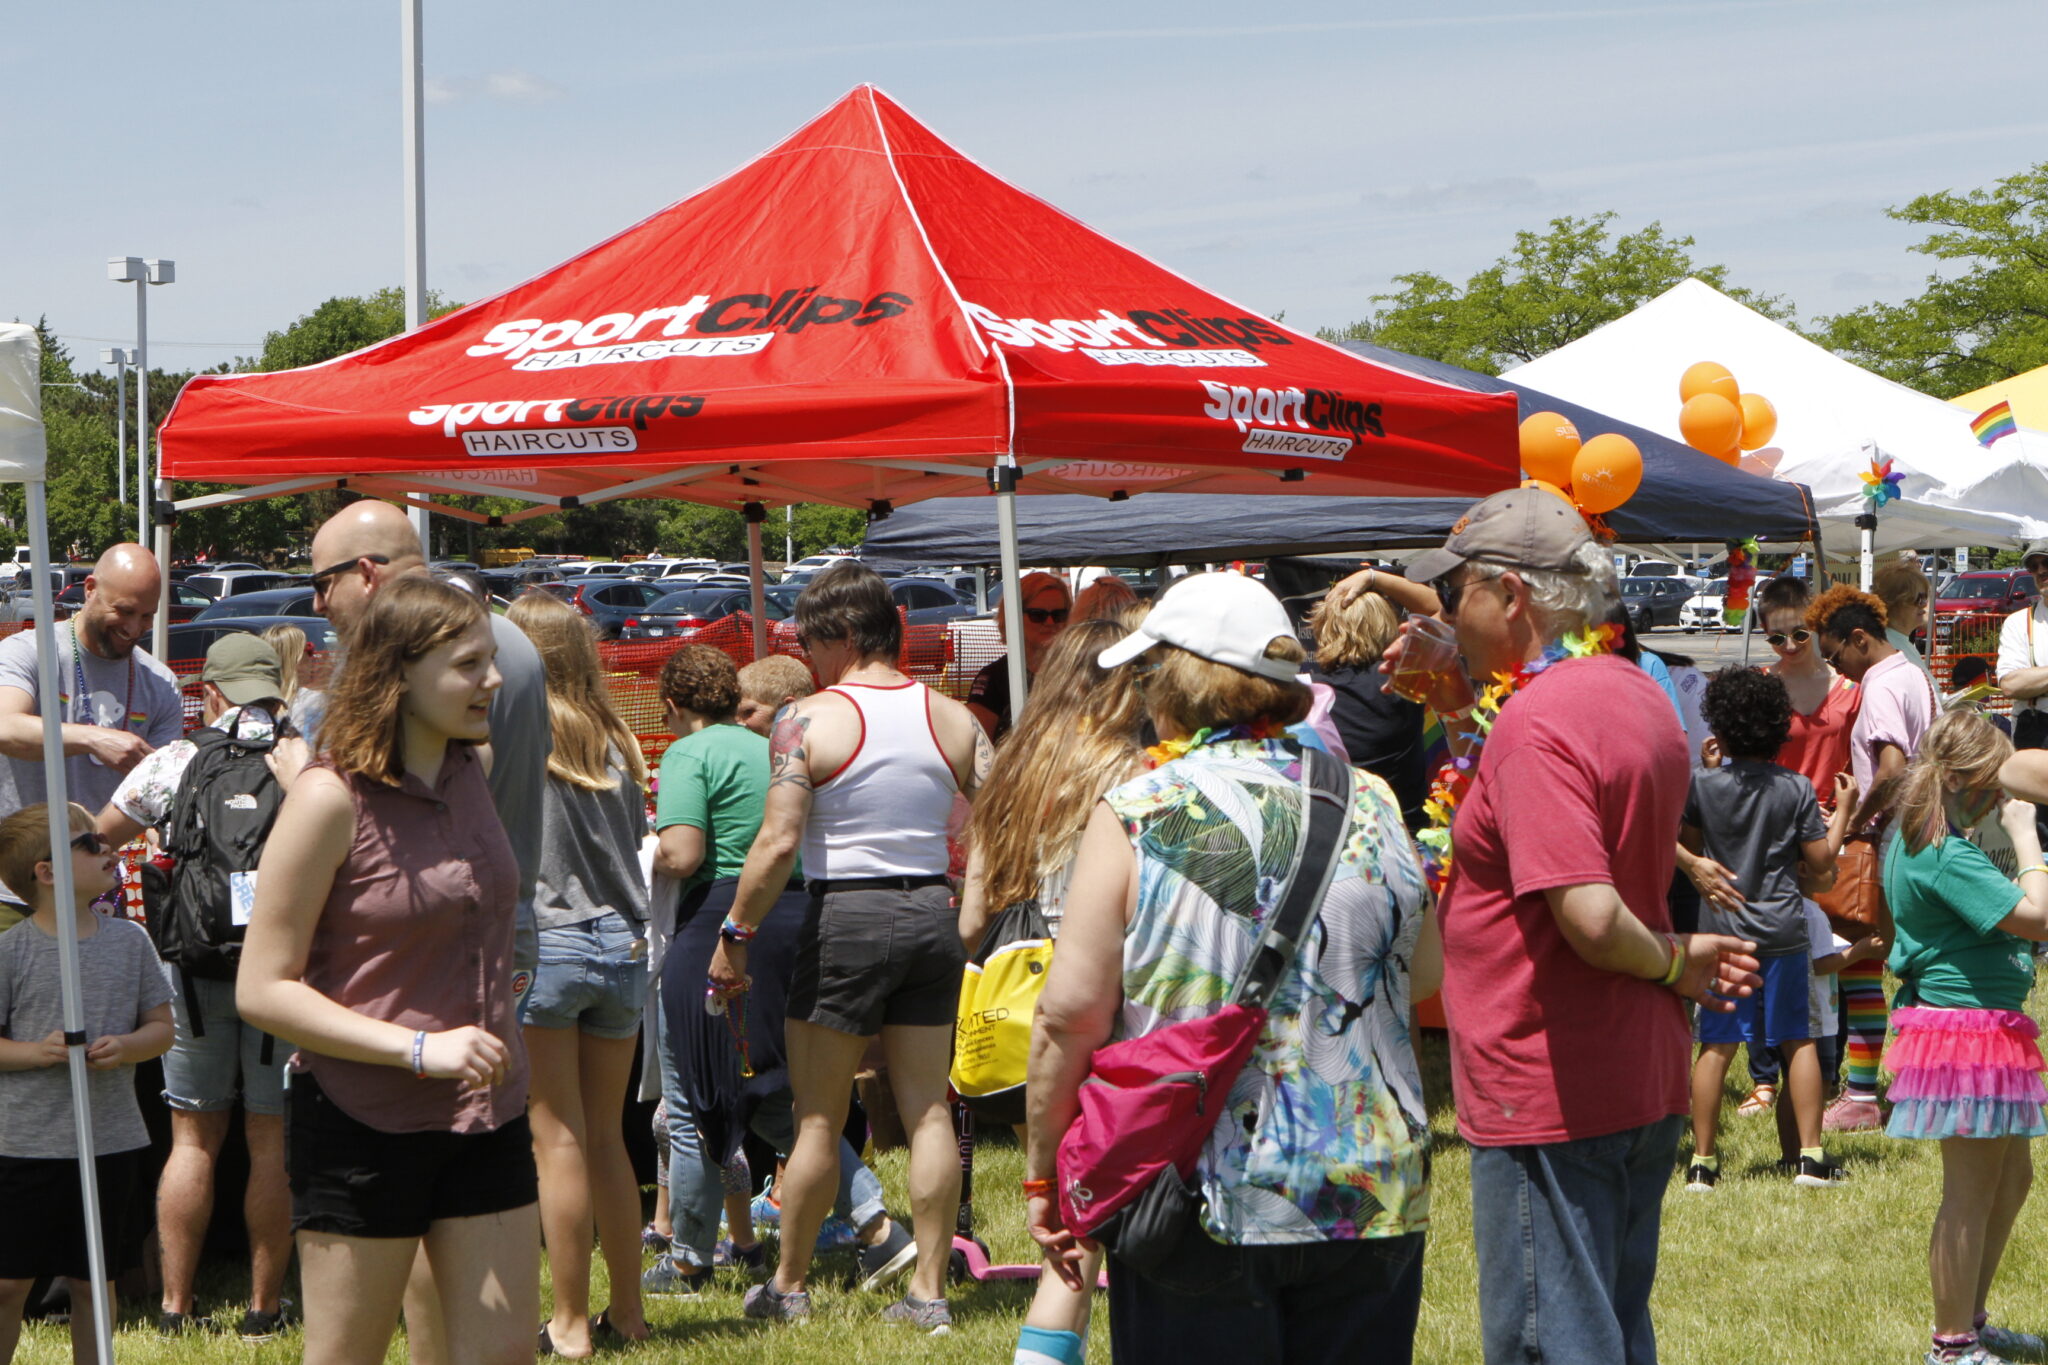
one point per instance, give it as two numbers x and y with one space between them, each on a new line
189 642
1654 602
608 599
928 601
1703 610
1981 591
680 615
292 601
810 564
611 567
186 601
234 582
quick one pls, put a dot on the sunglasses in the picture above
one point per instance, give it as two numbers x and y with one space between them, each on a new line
1778 639
1041 615
1840 650
319 579
92 841
1449 593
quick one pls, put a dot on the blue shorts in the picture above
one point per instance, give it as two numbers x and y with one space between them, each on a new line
207 1069
1777 1014
589 977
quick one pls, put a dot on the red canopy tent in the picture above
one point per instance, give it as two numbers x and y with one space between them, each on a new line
861 316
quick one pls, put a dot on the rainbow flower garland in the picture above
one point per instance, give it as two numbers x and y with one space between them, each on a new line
1455 777
1167 750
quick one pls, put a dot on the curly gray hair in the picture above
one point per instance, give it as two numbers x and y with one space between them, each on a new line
1563 602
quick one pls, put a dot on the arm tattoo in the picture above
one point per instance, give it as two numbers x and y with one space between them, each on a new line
984 759
789 756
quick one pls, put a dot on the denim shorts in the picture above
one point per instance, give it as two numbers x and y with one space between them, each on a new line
591 976
222 1058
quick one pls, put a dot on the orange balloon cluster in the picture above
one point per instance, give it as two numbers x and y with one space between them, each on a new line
1718 418
1595 476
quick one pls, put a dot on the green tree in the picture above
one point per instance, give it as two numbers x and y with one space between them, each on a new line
340 325
1977 324
1552 288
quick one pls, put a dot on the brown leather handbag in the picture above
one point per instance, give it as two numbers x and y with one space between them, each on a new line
1856 905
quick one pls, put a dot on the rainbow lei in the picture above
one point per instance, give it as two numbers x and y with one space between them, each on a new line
1167 750
1455 777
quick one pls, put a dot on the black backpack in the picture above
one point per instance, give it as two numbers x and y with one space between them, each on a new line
220 819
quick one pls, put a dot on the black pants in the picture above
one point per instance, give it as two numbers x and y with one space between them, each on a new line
1347 1302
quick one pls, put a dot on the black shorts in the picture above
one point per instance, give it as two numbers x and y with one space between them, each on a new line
42 1215
870 958
353 1180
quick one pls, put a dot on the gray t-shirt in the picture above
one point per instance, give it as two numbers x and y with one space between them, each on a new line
590 853
137 694
1753 817
121 978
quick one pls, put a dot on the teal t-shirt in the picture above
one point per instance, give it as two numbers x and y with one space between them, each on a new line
717 781
1947 900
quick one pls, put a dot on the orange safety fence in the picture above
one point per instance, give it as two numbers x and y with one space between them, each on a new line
1955 636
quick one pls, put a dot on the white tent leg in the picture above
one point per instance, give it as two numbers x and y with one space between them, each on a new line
1012 605
757 578
1869 559
160 637
64 892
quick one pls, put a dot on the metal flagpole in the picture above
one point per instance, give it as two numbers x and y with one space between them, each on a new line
415 133
65 894
757 576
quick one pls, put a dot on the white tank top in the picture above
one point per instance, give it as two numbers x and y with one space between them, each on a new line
883 814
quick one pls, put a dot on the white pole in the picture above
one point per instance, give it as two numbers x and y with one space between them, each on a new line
757 576
1869 558
788 536
65 894
415 137
1013 607
121 426
142 415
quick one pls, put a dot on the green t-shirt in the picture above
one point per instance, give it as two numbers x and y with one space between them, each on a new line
717 781
1947 900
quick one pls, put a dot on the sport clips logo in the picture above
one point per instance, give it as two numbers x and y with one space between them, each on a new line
509 430
1143 336
1319 424
738 324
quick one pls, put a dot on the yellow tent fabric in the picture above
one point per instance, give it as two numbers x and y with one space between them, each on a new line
2028 394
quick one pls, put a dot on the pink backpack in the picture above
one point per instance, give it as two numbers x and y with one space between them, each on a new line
1149 1104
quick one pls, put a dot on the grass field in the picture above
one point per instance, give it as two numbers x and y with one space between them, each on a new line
1757 1271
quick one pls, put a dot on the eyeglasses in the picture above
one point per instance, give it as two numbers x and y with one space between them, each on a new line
1778 639
320 579
1040 615
1448 592
92 841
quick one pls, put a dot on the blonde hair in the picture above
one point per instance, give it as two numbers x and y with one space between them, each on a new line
1195 693
769 681
1962 746
290 644
407 619
1076 738
25 842
1104 600
585 725
1899 583
1354 634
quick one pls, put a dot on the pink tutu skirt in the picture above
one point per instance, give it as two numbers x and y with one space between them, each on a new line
1965 1073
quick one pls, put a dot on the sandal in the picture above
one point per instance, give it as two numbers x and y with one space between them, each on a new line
1759 1102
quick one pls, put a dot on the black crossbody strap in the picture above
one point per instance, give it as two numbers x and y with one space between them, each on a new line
1326 785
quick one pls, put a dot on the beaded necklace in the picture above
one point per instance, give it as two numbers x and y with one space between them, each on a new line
1455 777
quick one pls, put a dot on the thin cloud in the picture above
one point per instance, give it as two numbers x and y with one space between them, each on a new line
504 87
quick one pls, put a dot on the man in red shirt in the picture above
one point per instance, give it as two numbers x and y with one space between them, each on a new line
1562 980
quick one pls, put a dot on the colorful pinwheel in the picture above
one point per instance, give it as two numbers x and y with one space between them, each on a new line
1880 485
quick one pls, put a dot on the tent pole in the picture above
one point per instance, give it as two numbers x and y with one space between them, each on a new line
64 893
757 576
160 637
1869 556
1819 571
1013 609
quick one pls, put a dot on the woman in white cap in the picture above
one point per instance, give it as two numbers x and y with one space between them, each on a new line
1321 1213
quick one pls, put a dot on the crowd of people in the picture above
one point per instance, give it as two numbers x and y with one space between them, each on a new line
418 924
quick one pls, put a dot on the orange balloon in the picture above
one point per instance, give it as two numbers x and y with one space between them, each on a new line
1707 377
1606 473
1711 423
1549 441
1732 457
1549 488
1759 421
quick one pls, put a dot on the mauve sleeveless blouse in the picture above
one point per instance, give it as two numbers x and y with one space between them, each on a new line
417 931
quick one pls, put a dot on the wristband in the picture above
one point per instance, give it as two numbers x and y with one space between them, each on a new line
1677 967
735 932
1035 1188
2032 867
419 1054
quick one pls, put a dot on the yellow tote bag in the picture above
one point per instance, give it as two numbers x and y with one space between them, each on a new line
992 1029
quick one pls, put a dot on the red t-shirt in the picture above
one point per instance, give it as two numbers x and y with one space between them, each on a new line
1583 779
1818 745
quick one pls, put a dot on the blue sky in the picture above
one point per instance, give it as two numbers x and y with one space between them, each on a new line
1293 157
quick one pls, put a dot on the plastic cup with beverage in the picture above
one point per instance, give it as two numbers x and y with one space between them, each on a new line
1428 648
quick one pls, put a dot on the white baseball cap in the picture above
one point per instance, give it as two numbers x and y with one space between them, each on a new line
1225 618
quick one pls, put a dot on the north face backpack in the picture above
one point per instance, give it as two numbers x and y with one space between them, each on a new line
220 819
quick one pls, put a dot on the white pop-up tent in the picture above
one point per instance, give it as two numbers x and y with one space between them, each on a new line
22 456
1833 417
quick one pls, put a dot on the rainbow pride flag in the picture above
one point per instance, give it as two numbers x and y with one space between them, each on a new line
1994 422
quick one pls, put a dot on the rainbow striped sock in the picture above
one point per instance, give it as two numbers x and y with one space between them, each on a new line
1868 1015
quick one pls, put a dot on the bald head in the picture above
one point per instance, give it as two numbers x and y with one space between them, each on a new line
363 545
120 601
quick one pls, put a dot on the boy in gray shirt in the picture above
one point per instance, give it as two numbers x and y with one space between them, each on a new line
127 1001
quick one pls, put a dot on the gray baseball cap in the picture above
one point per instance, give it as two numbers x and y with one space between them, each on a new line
1523 528
244 667
2036 549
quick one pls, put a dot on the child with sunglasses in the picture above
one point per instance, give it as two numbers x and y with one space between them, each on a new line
127 1001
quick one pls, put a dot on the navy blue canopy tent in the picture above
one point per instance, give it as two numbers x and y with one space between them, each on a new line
1685 496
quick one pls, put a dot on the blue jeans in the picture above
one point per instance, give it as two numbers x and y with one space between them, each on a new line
589 977
696 1182
1567 1241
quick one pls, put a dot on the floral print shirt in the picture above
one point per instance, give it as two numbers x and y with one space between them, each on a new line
1325 1137
150 789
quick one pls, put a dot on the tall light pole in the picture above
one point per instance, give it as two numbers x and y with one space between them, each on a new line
120 357
415 133
143 273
